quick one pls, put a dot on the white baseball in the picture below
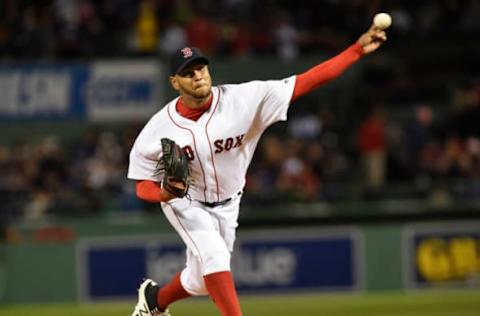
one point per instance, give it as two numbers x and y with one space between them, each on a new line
382 20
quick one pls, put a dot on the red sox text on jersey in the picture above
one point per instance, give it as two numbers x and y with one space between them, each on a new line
220 145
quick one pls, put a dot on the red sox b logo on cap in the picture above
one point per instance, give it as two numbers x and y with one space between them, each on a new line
187 52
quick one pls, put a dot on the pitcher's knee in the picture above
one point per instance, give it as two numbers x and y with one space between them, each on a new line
193 282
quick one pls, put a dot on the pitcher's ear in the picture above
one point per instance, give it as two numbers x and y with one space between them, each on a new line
174 82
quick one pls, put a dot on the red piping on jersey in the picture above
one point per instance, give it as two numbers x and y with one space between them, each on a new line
326 71
186 231
210 143
196 152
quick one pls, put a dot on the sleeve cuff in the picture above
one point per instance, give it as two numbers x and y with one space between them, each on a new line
357 49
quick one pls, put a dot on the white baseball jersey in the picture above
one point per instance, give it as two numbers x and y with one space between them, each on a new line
221 143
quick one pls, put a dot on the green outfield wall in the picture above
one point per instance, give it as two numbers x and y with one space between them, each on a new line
3 274
383 257
40 264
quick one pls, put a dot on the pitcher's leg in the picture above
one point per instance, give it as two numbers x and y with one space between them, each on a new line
208 259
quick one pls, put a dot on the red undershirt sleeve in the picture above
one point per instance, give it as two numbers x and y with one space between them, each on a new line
149 191
326 71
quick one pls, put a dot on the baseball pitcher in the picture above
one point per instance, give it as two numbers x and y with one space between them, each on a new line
192 157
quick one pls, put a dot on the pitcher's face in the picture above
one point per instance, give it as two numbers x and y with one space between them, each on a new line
195 81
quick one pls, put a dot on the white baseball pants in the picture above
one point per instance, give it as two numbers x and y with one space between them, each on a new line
208 233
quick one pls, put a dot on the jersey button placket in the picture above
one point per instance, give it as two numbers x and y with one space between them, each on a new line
206 160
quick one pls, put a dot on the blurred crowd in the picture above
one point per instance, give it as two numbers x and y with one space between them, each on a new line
51 177
420 156
408 129
110 28
310 159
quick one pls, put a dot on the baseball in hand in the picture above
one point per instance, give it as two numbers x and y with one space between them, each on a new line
382 20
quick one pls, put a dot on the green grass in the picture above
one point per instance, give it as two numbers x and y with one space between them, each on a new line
430 303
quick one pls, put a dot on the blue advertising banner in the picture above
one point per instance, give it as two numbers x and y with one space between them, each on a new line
41 91
123 90
440 255
264 263
99 91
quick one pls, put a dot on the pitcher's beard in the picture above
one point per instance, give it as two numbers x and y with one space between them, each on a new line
201 95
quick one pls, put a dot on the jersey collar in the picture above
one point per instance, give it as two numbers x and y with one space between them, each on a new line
179 117
193 114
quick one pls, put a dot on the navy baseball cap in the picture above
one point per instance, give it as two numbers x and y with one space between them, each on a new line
184 57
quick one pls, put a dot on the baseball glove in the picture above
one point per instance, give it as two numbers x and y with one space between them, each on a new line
174 165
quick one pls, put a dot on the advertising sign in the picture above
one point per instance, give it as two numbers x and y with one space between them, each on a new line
100 91
261 262
123 90
440 255
35 91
